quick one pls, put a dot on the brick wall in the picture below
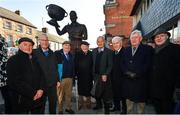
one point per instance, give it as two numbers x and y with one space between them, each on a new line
117 19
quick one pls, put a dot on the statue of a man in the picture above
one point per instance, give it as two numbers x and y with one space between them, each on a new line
77 32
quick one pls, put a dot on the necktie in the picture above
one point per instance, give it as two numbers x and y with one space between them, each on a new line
133 50
46 53
67 56
116 52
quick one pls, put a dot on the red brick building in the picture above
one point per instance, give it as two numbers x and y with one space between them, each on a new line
117 17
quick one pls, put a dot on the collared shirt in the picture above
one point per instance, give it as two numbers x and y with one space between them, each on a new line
45 51
134 49
116 52
100 49
66 54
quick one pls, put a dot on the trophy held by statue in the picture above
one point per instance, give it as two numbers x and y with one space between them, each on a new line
57 13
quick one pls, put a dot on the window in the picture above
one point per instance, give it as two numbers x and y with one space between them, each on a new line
110 1
19 28
29 31
110 25
10 41
7 25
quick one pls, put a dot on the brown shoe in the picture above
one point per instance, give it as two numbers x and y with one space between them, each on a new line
79 107
70 111
60 112
88 106
88 103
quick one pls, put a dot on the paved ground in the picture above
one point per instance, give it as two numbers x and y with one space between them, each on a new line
148 110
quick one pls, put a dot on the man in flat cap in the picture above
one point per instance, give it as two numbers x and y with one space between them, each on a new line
165 73
65 57
25 80
83 66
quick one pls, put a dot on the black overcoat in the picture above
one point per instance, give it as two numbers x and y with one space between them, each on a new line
165 74
24 79
117 75
83 67
135 89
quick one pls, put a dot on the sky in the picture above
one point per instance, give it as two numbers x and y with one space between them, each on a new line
89 12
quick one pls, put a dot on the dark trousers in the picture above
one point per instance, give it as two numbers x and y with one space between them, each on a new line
7 102
100 102
36 110
19 107
120 105
51 95
163 106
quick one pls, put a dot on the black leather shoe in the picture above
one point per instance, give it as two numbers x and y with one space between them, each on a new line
114 109
106 111
70 111
97 107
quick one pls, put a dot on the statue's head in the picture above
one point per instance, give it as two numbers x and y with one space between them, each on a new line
73 16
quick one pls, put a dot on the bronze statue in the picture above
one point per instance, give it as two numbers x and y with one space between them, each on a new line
77 32
57 13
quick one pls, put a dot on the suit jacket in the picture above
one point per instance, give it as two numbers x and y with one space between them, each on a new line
103 89
48 65
68 66
136 88
106 61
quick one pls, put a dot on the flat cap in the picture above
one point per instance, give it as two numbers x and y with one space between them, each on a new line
66 42
159 31
84 43
25 39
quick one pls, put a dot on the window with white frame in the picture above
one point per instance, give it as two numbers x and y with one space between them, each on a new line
110 1
19 28
29 31
10 40
7 25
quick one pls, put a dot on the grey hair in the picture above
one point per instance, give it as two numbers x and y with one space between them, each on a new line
117 39
43 34
136 31
101 37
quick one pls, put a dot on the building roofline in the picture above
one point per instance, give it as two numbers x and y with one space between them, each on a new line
19 22
135 7
7 14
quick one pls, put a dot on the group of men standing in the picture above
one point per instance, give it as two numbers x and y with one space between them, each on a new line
128 77
137 74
